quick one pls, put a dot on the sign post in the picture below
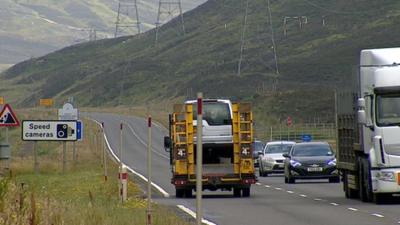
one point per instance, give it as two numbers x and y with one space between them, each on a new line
199 159
68 112
7 119
50 130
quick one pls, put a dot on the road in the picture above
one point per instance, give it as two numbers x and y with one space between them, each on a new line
271 202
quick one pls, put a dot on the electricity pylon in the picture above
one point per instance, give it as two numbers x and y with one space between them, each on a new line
127 18
168 9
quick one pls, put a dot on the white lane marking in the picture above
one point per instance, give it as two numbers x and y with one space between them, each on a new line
258 183
193 214
141 140
304 196
290 192
377 215
352 209
279 189
317 199
334 204
162 191
267 186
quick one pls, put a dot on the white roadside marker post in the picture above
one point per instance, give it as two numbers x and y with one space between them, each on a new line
104 153
149 220
124 183
199 158
120 165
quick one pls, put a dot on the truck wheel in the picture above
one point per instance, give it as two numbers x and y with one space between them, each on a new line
188 193
365 181
286 180
349 192
246 192
380 198
236 192
260 173
334 180
179 193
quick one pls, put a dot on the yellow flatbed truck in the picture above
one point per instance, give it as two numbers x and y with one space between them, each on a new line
227 147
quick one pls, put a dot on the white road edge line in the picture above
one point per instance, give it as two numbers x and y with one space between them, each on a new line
352 209
278 188
141 140
317 199
290 192
258 183
162 191
334 204
304 196
377 215
267 186
193 214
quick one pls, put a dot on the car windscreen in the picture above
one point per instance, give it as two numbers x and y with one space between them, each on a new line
215 113
312 150
258 146
279 148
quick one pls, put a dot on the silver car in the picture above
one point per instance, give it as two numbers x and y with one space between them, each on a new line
272 160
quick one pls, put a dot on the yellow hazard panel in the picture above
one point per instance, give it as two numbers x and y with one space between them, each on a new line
180 167
247 166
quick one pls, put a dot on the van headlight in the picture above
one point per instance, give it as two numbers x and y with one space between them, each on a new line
386 176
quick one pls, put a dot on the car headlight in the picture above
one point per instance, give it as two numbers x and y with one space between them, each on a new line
332 162
295 163
271 160
386 176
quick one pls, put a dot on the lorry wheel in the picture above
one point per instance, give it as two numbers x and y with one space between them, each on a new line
364 181
349 192
179 193
188 193
334 180
380 198
246 192
236 192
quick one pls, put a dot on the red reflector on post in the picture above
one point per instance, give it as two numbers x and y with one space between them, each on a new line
123 176
199 106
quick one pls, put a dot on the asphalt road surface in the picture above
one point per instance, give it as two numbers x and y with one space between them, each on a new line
272 202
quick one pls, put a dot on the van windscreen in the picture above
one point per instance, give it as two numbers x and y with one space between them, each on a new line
215 113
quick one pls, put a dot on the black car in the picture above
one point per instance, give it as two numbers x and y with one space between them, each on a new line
311 160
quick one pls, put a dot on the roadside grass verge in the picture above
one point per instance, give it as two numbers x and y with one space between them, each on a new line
80 196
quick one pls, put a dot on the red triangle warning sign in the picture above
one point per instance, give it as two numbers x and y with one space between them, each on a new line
8 118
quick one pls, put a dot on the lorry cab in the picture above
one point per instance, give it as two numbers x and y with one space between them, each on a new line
217 120
379 115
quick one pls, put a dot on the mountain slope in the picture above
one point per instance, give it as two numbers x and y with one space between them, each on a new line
31 28
313 61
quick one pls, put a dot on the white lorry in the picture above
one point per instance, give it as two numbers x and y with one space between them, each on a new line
368 122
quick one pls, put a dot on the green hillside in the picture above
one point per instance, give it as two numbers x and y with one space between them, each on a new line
31 28
313 61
